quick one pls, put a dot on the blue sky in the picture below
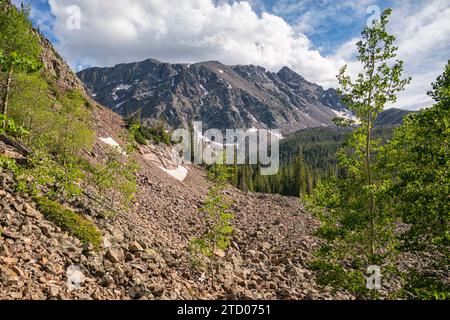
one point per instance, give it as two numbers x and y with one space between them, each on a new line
41 16
313 37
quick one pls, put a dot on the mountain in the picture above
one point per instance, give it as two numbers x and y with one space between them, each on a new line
65 232
241 96
391 117
86 246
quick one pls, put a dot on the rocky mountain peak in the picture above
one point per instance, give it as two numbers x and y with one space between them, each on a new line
287 74
239 96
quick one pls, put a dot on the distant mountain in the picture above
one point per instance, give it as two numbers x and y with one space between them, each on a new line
391 117
221 96
318 146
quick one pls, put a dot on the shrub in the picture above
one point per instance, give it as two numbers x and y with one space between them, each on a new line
11 128
70 221
59 126
339 278
420 286
56 178
142 133
218 220
8 164
116 179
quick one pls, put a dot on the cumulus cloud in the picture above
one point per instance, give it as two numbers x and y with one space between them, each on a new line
423 37
424 42
185 31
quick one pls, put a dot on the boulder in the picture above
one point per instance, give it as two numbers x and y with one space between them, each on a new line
115 255
157 289
135 247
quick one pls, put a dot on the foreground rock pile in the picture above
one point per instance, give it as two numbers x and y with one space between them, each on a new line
144 253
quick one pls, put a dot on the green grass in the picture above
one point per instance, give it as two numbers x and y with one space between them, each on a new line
424 287
68 220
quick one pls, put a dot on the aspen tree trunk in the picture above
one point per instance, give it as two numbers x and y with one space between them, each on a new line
6 97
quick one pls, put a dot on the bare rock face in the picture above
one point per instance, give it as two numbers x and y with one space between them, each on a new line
221 96
55 65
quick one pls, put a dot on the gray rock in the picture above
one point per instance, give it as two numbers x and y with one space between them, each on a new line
137 292
30 211
115 255
157 289
107 280
283 100
135 247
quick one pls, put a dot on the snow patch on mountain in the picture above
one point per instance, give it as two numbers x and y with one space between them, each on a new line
179 173
123 87
113 143
118 88
346 114
119 105
205 92
276 134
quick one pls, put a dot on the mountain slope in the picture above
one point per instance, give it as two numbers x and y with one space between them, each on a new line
221 96
143 252
391 117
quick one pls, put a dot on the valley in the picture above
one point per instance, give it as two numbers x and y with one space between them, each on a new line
98 202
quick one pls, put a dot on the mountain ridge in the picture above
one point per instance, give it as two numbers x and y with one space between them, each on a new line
236 96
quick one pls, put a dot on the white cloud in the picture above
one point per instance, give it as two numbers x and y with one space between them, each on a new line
423 38
185 31
424 42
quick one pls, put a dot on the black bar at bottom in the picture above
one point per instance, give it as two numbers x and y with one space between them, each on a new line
251 310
